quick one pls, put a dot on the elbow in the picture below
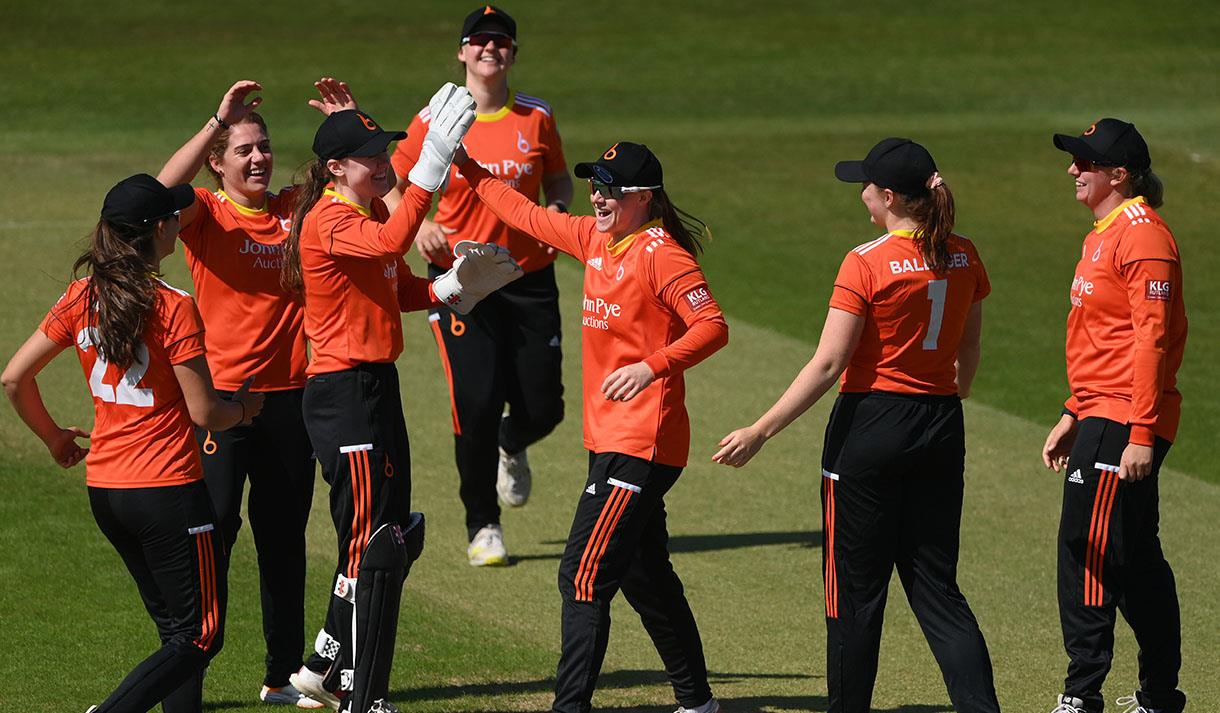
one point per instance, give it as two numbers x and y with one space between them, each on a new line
12 384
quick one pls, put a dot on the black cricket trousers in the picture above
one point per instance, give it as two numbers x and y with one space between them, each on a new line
892 486
275 454
619 540
1110 559
506 351
167 538
355 421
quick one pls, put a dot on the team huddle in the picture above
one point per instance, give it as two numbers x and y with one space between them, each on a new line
285 359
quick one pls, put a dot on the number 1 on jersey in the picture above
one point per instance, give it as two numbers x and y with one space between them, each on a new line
937 290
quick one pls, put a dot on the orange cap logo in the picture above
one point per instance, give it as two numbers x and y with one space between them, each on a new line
611 153
368 123
1089 131
489 10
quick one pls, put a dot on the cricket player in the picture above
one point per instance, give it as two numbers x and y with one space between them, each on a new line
508 350
904 330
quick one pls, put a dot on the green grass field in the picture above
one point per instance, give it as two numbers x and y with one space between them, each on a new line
749 106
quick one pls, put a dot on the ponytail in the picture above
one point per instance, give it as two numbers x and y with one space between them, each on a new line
308 193
122 289
935 213
686 229
1147 184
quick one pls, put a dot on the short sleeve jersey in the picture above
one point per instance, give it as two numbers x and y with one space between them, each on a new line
257 328
914 317
142 434
1126 330
520 145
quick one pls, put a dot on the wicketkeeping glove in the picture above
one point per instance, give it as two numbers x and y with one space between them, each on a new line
452 112
480 269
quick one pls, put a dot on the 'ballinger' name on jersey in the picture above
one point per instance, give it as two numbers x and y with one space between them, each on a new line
898 267
267 257
599 312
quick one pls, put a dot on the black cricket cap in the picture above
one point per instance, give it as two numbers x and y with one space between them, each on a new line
141 199
1109 142
352 133
897 164
489 18
624 164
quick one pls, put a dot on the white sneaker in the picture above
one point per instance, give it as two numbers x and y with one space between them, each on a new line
513 478
1067 704
712 706
487 548
309 684
287 695
1133 705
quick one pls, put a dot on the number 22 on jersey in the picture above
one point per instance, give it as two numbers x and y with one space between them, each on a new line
125 393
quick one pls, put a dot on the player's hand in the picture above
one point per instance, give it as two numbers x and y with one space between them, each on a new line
1136 463
233 107
432 243
252 404
64 448
459 155
335 96
625 382
1059 443
737 448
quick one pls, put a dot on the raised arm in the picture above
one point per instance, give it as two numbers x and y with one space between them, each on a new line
561 231
840 336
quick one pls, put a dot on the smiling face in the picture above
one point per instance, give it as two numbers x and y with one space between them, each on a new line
365 177
619 216
1097 186
244 168
487 55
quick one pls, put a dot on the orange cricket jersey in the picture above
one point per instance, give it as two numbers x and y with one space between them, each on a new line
356 282
234 255
914 317
1126 331
519 145
142 435
645 299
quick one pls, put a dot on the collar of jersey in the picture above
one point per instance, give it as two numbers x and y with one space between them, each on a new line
616 249
241 208
501 112
335 195
903 233
1099 226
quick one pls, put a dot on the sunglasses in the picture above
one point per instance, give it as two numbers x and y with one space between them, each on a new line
1086 165
482 39
615 192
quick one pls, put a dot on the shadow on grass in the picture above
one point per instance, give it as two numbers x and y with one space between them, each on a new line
712 543
636 678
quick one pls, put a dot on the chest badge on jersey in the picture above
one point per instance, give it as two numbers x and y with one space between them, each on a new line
619 275
1097 253
522 145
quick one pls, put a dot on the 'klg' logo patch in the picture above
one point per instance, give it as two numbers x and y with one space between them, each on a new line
1159 290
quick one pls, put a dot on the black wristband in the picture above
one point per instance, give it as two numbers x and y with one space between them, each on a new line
560 206
220 121
1067 412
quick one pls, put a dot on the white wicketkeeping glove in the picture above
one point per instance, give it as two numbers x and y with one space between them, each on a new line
452 113
480 269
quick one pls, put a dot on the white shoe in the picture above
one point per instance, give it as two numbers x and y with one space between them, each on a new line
712 706
1133 705
309 684
381 705
487 548
287 695
1067 704
513 478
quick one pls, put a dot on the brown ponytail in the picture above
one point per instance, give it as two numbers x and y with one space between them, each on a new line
308 191
935 213
1147 184
221 144
685 228
122 289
